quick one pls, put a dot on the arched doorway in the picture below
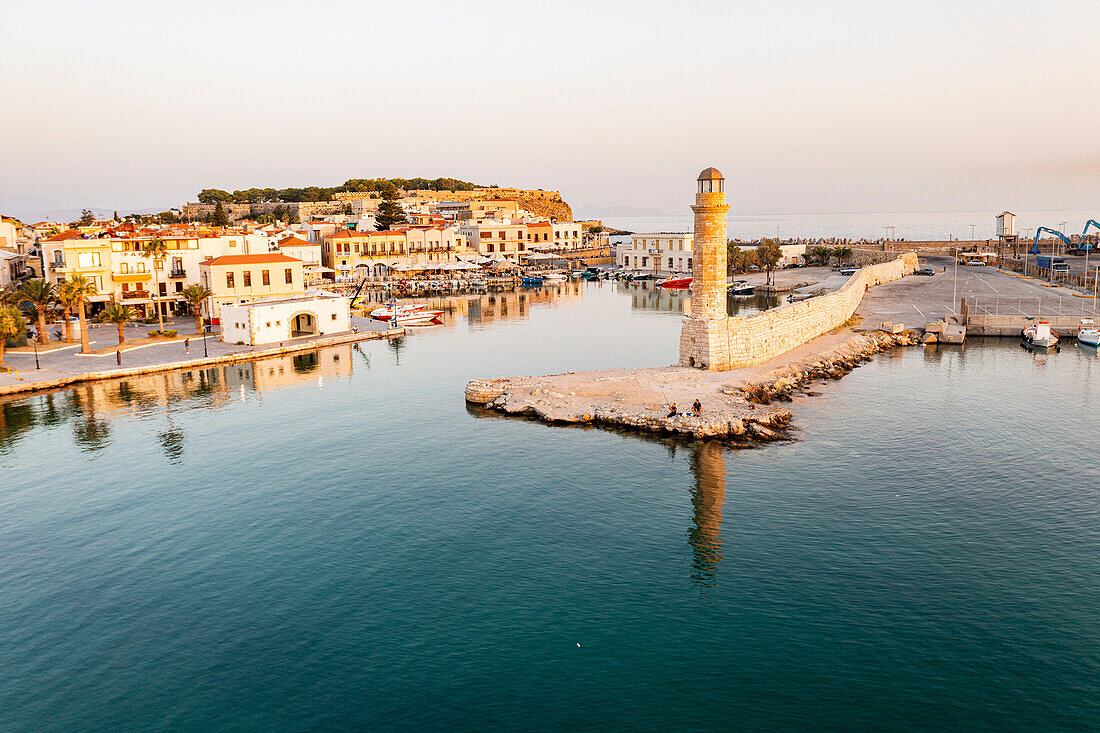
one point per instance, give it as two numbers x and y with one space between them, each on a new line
303 324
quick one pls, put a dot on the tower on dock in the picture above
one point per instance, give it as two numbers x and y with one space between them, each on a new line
699 343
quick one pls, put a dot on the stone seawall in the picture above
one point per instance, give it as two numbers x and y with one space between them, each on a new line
741 342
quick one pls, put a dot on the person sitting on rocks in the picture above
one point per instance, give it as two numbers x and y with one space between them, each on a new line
697 408
671 410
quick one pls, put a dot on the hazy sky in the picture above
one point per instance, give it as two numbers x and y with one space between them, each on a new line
805 106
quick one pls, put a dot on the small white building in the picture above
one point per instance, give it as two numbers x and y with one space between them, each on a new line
315 313
1006 225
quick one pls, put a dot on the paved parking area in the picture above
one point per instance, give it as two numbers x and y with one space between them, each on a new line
915 300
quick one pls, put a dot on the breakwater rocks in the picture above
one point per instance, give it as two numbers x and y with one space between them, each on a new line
785 382
736 406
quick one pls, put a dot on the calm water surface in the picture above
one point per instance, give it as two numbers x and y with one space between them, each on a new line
335 541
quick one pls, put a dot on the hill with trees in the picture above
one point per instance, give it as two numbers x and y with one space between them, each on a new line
327 193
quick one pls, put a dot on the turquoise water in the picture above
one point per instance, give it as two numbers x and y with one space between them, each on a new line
335 541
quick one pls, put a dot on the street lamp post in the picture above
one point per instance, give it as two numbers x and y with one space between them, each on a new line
34 343
955 286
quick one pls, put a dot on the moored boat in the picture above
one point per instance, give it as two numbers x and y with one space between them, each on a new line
1087 333
554 277
740 287
530 280
676 282
797 296
386 312
1040 335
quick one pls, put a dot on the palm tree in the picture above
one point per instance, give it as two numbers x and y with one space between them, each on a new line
157 250
8 296
842 253
12 324
118 315
81 288
821 255
67 300
39 295
196 295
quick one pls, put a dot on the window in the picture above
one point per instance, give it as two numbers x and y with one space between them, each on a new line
266 275
163 289
125 287
486 235
229 280
141 267
334 316
124 268
670 263
248 278
689 263
87 259
289 276
644 260
179 286
500 235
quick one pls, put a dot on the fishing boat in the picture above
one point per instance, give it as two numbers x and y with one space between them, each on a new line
796 296
556 277
676 283
578 273
419 318
1087 333
530 280
386 312
1040 335
740 287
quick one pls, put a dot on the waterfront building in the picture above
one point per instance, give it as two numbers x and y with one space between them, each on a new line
568 234
235 279
271 320
658 253
496 239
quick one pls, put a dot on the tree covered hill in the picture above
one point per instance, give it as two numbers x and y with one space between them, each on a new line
326 193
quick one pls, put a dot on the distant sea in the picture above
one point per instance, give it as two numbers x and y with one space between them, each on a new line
932 225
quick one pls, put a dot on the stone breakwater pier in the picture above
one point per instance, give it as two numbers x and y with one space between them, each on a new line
735 366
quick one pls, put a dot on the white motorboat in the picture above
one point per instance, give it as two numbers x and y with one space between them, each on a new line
418 318
387 312
1040 335
554 277
740 287
1087 333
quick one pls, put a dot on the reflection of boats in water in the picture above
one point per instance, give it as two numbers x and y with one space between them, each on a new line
555 277
740 287
1087 333
676 283
1040 335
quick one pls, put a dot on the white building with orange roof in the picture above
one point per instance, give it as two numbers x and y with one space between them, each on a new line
235 279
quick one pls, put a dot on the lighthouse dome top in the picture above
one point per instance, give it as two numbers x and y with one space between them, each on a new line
711 181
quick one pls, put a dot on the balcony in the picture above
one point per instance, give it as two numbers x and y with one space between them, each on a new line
177 273
136 295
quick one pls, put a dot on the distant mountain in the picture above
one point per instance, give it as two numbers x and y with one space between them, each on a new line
587 211
31 209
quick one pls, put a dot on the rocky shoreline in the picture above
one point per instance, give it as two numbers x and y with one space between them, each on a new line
737 406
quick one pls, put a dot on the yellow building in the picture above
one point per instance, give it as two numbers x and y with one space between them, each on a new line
235 279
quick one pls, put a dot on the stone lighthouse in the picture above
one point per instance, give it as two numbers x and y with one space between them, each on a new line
702 335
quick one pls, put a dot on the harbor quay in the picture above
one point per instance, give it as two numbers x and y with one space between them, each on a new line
732 368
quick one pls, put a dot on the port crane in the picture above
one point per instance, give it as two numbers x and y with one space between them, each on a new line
1069 244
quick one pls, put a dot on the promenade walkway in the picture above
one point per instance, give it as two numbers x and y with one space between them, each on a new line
67 363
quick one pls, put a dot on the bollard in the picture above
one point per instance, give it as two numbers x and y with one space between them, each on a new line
118 357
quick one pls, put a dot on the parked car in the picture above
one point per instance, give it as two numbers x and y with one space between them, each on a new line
925 271
754 268
975 263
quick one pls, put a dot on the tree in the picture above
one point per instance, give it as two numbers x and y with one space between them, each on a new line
39 295
82 288
118 315
389 211
768 255
733 257
219 217
67 300
214 195
821 255
12 324
115 217
156 250
842 253
87 218
196 295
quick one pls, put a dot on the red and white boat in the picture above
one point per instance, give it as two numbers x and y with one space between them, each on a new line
419 318
676 282
387 312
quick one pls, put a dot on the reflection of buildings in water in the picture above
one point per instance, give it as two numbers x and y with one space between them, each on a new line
91 406
647 296
707 498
